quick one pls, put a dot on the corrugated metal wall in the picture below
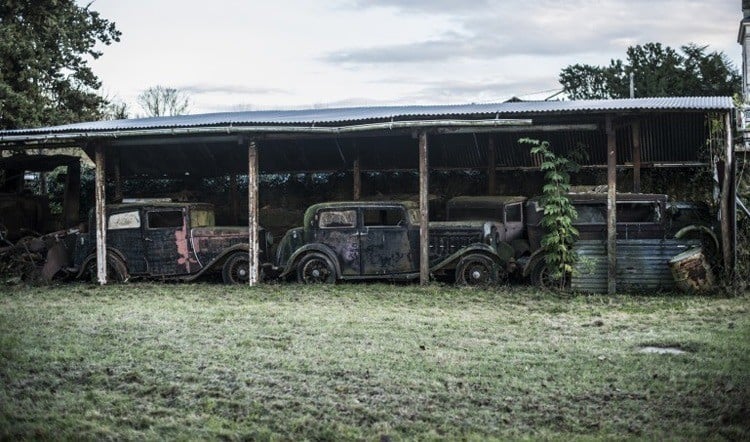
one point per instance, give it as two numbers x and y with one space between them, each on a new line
642 264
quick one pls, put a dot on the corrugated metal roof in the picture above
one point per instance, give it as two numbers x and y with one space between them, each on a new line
343 116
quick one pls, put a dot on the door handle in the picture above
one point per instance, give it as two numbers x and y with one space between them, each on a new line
148 239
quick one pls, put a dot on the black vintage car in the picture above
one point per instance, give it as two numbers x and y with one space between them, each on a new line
380 239
166 241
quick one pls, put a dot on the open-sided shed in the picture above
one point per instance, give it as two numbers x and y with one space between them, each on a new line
627 133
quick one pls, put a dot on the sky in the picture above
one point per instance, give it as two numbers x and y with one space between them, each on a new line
231 55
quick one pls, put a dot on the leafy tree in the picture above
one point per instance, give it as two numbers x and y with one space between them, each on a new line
658 71
45 46
160 101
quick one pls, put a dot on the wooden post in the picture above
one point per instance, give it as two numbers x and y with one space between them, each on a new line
357 178
115 161
424 212
727 203
252 208
611 207
101 224
491 165
234 199
637 157
72 197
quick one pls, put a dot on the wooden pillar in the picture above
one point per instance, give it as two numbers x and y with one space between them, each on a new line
727 202
491 166
637 157
100 206
234 199
357 178
424 212
611 207
252 211
72 197
115 161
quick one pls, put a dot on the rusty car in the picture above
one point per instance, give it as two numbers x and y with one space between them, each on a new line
381 240
157 240
639 216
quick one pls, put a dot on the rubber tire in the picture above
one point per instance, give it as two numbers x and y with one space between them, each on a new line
236 269
117 271
477 270
541 277
313 262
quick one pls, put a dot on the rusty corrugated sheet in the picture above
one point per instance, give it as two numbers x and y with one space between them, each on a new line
642 265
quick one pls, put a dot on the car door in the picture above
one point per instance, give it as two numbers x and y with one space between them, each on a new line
513 221
337 228
165 235
125 234
384 242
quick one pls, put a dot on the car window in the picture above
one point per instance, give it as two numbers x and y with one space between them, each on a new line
202 218
591 214
392 216
337 219
475 214
513 213
638 212
164 219
127 220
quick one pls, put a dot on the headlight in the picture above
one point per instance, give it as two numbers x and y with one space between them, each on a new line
269 238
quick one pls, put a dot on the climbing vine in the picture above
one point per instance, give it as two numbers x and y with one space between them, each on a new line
559 213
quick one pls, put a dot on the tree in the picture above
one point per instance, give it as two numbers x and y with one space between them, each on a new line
45 78
160 101
658 71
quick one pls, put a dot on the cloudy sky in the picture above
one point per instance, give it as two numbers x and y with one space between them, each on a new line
252 54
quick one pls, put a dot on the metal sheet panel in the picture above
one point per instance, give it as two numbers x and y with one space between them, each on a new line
353 115
642 265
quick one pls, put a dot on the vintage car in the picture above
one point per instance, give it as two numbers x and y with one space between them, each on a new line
507 211
166 240
380 240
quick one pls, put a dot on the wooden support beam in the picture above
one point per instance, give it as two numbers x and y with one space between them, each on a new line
727 203
100 204
636 156
252 211
611 207
115 161
424 212
357 178
234 199
72 197
491 166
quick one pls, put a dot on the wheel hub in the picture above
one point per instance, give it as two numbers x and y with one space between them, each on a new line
476 274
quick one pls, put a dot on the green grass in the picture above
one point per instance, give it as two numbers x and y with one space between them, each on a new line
371 362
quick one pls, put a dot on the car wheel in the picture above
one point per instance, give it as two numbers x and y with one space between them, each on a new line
117 272
477 270
542 276
236 269
316 268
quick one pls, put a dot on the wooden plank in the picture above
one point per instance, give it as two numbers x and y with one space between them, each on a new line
100 204
72 197
611 207
252 215
636 156
491 166
424 212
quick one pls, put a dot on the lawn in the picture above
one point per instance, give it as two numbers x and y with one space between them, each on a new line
372 362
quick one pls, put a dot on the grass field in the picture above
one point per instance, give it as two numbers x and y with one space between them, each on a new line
372 362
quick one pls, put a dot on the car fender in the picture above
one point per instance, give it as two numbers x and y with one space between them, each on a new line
92 257
533 259
219 260
482 248
307 248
